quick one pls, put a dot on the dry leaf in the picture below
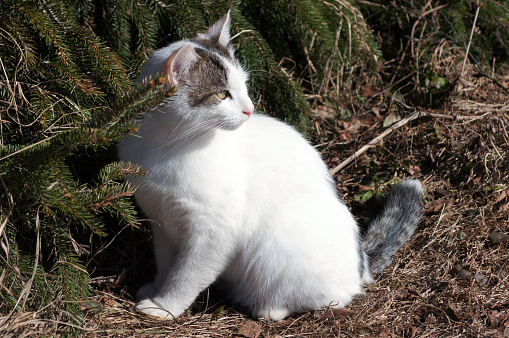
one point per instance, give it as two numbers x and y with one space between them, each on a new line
408 293
95 306
437 205
336 314
108 301
324 112
390 119
345 136
414 170
431 319
498 237
250 329
368 91
453 312
118 282
494 318
442 192
353 126
481 279
504 194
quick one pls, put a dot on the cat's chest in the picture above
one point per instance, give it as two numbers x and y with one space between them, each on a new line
215 167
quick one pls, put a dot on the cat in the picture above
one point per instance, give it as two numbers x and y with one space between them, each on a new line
243 200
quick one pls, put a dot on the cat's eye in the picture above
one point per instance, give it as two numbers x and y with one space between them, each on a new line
223 94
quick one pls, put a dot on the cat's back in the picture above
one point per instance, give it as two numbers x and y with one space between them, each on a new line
278 160
281 144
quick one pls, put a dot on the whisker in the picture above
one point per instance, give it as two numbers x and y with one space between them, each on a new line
174 129
184 137
209 131
192 132
213 123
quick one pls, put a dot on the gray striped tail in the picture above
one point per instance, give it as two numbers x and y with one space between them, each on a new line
395 225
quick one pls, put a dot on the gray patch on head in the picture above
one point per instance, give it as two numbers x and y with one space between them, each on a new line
215 47
206 77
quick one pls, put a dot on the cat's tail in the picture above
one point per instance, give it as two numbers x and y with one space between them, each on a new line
394 226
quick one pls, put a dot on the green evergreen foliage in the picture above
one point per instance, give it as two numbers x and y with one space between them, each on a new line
63 90
326 34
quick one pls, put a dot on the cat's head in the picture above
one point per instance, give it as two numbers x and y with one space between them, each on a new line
211 83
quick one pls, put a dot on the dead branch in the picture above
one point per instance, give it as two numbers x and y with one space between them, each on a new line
416 114
376 140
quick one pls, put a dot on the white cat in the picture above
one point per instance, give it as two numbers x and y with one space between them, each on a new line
243 200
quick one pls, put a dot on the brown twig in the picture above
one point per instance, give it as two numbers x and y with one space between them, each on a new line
376 140
416 114
470 40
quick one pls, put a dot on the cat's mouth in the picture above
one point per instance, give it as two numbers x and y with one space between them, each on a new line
232 123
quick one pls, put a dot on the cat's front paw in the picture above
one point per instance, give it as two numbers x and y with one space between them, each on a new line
153 304
148 307
272 314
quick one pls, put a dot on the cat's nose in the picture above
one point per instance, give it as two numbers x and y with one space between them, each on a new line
248 110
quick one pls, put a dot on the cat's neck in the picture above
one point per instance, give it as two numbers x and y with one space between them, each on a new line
178 133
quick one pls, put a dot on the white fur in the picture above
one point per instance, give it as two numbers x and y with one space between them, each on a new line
244 201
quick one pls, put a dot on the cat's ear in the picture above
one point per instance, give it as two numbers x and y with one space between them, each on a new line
219 32
179 62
